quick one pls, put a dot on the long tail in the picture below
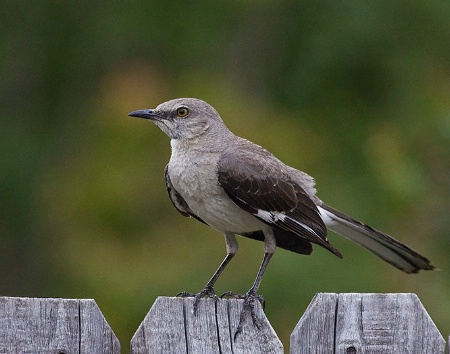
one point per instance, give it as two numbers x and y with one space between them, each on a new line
383 245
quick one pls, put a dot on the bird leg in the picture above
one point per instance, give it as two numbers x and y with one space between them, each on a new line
208 290
251 297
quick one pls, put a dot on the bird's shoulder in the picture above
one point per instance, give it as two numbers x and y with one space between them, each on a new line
246 158
252 174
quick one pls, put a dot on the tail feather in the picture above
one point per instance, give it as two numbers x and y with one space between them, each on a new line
381 244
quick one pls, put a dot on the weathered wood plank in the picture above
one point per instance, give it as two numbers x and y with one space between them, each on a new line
33 325
96 336
162 330
385 323
251 340
314 333
367 323
171 327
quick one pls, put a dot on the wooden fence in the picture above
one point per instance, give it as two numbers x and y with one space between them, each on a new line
332 323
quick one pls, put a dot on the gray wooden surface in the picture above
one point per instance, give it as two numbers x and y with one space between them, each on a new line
59 326
171 327
333 323
366 323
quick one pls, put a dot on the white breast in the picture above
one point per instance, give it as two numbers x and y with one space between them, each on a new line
193 174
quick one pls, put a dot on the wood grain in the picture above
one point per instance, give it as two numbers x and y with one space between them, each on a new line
171 327
60 326
366 323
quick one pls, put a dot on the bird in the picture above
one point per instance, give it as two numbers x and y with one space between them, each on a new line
239 188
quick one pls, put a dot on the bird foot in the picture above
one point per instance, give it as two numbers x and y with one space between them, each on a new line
249 307
208 291
232 295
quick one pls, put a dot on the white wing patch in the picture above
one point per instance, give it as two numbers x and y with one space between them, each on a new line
327 217
273 217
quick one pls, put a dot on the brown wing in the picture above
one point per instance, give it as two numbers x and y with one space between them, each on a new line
260 185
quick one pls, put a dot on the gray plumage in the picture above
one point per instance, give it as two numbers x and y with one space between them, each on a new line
238 187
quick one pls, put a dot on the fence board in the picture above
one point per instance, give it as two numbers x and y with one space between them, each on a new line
366 323
332 323
60 326
171 327
317 325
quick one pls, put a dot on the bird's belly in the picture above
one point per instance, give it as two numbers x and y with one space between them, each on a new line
200 189
223 215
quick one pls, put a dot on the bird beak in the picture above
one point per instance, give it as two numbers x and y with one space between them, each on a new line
146 114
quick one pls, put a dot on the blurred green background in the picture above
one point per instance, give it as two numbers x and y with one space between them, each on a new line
357 94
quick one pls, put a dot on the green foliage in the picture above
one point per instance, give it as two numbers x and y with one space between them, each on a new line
354 93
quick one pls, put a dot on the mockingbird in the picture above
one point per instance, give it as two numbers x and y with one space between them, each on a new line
238 187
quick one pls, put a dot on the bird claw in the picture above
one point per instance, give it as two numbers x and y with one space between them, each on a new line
208 291
184 294
249 306
232 295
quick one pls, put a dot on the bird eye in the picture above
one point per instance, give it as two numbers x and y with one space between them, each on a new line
182 112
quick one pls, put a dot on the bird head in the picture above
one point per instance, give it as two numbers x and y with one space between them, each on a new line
181 118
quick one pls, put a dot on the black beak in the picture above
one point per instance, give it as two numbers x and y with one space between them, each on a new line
146 114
